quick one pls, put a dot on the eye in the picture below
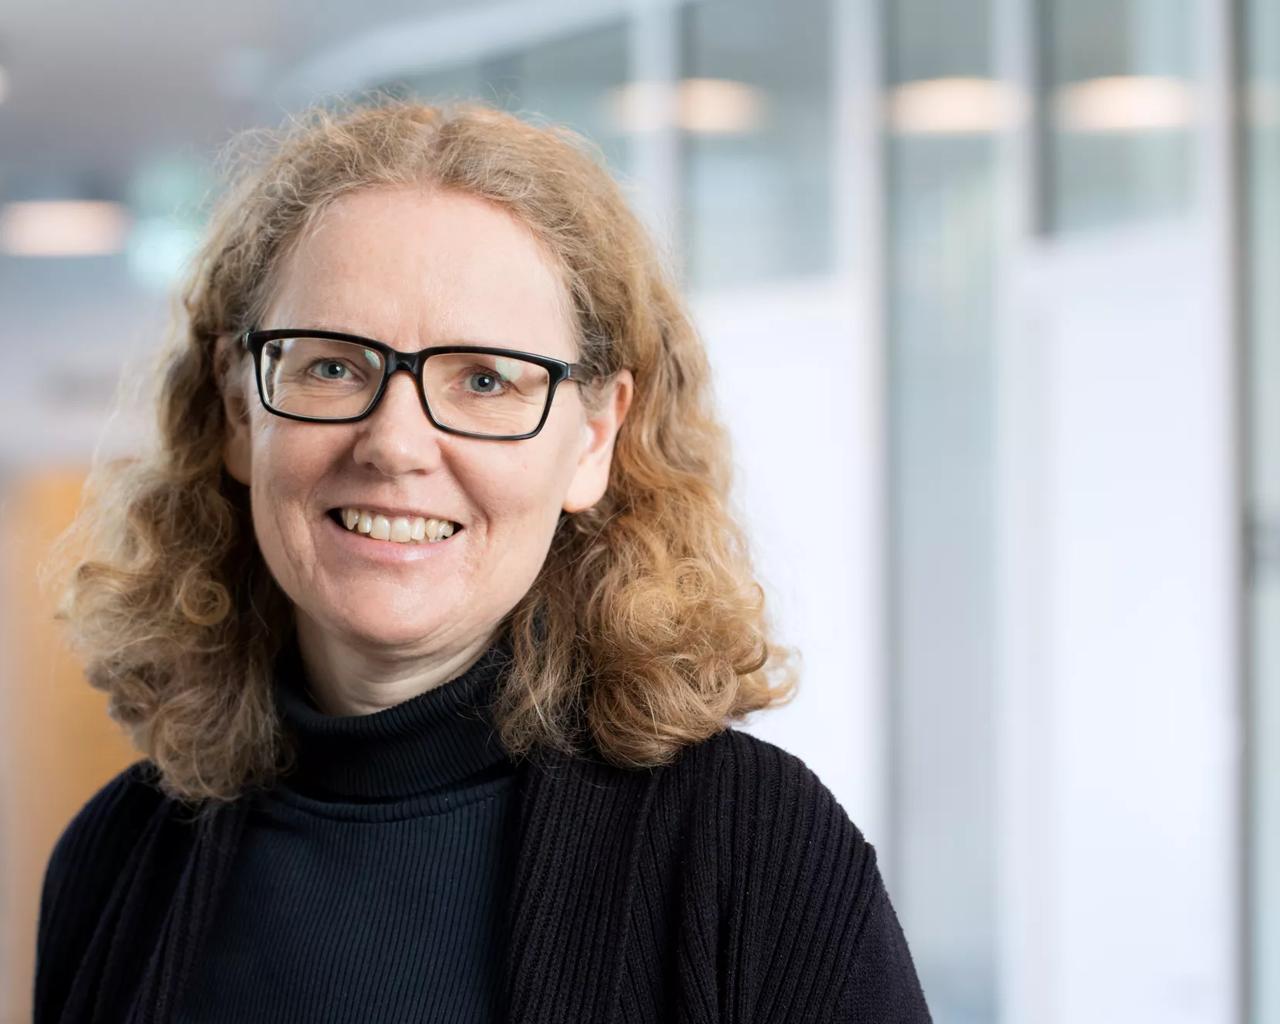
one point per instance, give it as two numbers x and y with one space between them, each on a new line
492 383
336 365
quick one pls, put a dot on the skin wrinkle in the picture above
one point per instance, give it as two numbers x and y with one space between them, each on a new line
415 268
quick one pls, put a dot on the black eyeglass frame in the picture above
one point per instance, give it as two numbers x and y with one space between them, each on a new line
393 360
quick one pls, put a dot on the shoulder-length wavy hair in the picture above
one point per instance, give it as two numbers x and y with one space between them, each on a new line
645 630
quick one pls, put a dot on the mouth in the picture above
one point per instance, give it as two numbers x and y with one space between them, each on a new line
408 531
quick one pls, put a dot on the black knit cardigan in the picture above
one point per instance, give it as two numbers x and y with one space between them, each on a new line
728 886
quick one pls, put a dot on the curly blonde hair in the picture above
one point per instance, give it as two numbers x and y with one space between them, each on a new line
645 630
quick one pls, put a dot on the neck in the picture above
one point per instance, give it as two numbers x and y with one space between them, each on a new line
351 679
434 743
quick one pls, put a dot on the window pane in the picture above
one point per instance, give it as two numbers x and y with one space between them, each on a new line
755 104
1262 150
944 109
569 80
1120 109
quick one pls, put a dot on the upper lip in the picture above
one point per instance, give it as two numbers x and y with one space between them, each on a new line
392 512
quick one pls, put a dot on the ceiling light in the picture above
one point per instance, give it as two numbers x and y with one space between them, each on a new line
954 106
1125 103
717 106
63 227
702 106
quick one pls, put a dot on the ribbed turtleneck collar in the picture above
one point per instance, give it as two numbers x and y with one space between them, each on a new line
434 742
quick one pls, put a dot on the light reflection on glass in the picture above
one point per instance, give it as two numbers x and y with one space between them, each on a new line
1121 105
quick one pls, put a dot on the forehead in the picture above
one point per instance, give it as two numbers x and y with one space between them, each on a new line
415 267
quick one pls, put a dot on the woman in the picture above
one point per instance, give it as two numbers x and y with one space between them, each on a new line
433 670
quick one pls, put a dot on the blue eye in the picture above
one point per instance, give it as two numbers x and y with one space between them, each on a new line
486 374
330 363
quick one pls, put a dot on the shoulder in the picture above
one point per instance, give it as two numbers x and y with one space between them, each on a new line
91 849
774 807
118 809
801 880
748 782
752 763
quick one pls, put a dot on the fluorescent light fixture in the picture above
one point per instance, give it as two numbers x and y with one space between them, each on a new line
1125 103
642 106
718 106
63 227
4 83
955 106
703 106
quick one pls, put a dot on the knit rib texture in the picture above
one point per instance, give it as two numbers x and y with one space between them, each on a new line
371 883
727 886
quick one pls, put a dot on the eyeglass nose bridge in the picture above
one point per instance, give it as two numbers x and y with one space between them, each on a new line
413 362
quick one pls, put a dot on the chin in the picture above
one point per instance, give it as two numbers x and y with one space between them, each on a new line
389 634
387 629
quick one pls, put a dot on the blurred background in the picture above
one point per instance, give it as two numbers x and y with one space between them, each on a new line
992 293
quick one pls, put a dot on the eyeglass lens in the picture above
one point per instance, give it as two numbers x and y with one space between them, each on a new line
477 392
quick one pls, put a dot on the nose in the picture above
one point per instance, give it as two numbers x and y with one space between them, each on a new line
397 437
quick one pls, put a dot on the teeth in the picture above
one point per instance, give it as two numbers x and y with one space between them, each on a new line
400 530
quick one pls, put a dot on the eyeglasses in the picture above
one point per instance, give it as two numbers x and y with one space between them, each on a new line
499 394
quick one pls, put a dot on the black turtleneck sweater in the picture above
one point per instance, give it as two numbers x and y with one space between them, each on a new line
371 882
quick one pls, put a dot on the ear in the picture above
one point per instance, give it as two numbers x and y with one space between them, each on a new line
591 478
237 448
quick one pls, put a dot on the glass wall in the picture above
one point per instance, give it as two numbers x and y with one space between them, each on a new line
752 109
1262 197
944 109
1120 106
755 110
573 79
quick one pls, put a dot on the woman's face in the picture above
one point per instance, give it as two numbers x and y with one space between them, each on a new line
416 269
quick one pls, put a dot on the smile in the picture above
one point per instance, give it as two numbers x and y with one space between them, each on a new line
352 546
394 529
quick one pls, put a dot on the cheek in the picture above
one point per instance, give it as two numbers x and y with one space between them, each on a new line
287 468
529 485
291 456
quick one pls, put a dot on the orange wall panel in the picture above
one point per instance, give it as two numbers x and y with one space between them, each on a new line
57 744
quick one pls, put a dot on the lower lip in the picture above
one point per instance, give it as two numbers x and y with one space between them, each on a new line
387 552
